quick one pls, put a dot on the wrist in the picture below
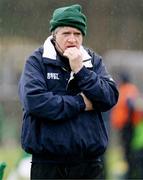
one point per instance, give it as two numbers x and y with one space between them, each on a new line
77 69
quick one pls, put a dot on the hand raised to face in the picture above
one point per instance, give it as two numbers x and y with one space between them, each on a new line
75 58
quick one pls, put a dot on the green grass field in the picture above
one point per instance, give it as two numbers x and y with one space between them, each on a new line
115 165
11 157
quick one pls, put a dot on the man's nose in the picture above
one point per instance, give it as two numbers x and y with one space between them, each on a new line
72 38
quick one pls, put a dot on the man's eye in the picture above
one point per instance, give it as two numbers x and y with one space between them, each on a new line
66 33
77 34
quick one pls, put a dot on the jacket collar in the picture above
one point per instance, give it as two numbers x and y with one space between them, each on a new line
50 52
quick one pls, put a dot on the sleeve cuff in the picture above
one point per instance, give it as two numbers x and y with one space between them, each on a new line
80 101
83 73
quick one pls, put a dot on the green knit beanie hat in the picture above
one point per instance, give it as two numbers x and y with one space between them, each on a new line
69 16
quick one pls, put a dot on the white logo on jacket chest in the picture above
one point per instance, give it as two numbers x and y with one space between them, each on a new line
53 76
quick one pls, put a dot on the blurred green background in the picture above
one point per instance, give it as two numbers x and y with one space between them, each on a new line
114 27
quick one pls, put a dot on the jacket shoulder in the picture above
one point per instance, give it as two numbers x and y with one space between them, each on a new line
95 57
35 60
37 54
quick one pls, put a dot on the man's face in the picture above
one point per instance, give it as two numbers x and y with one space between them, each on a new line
67 37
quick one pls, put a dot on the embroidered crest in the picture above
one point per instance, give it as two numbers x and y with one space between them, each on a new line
53 76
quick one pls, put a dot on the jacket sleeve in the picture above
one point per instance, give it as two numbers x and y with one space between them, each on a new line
38 101
98 86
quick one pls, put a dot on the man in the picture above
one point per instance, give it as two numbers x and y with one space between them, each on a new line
64 88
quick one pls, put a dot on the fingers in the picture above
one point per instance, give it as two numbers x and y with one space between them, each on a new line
75 58
72 53
88 103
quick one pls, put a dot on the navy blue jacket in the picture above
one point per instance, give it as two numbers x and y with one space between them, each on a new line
54 118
